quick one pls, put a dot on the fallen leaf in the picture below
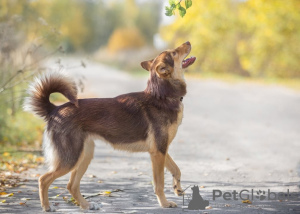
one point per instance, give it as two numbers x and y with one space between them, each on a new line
202 187
3 193
54 187
107 192
22 203
247 202
73 201
6 154
208 207
100 181
25 199
3 201
7 195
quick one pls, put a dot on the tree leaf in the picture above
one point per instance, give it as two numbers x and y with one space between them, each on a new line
169 11
173 6
188 3
172 2
182 11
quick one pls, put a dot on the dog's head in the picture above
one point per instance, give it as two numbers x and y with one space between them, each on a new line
171 63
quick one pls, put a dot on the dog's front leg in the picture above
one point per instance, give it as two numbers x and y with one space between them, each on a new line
158 165
175 171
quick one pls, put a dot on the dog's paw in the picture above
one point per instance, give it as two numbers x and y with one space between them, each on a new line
168 204
178 192
49 209
94 206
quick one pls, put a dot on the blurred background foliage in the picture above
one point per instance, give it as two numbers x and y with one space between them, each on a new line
256 38
31 31
247 38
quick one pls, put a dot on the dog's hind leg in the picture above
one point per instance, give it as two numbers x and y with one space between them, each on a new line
175 171
44 183
77 173
158 165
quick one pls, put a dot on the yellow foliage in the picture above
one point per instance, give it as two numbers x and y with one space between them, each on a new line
255 37
125 39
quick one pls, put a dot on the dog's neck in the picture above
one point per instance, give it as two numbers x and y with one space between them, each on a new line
165 88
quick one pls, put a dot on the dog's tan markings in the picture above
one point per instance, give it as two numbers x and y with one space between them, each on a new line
172 130
77 173
44 183
175 171
158 162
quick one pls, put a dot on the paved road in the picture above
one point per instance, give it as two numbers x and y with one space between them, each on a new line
233 137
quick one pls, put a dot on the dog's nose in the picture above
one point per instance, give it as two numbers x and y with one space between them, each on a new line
188 43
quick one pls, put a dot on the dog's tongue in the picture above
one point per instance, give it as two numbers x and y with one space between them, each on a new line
187 62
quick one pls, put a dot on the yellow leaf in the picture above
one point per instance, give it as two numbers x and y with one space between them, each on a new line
4 194
9 195
3 201
54 187
6 154
40 159
247 202
107 192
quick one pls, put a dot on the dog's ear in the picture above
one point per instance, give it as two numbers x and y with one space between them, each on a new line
147 64
162 70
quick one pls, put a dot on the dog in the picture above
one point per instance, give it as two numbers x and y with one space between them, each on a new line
144 121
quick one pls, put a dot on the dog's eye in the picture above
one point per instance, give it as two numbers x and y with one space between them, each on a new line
174 53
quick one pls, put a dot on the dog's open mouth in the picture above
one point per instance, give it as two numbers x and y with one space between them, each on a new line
187 62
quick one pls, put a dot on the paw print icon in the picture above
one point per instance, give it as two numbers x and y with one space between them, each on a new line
260 195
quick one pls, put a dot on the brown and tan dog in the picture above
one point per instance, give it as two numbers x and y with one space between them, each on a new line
145 121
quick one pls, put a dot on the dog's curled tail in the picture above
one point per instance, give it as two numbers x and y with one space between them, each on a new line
39 92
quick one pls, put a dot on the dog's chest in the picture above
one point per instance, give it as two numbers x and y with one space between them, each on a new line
172 129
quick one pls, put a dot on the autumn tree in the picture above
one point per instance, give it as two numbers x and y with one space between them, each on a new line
250 38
